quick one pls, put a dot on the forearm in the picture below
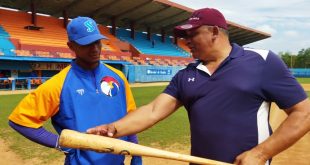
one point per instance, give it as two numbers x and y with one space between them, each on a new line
147 115
139 120
38 135
134 123
291 130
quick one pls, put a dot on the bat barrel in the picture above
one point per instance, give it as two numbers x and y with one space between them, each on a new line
74 139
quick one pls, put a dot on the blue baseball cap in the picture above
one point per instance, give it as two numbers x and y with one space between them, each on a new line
83 30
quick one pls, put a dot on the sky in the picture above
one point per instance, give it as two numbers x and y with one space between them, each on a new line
288 21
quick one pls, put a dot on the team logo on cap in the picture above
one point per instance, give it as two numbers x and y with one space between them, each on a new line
186 26
194 19
109 86
89 25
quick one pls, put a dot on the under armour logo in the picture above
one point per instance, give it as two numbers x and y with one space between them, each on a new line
89 25
80 92
191 79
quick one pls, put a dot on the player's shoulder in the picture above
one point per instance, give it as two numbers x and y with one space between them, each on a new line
109 67
263 53
190 69
55 82
60 76
192 65
116 71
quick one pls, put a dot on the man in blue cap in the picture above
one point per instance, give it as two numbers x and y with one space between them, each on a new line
85 94
227 94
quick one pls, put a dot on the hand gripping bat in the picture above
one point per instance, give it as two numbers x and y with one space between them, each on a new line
74 139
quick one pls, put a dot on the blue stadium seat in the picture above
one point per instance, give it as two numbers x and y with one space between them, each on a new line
145 46
6 46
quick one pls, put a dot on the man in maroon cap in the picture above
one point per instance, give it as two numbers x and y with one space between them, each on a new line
227 94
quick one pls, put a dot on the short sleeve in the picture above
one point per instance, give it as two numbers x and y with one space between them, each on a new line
131 105
37 107
41 104
174 87
279 85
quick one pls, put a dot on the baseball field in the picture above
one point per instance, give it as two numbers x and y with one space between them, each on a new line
171 134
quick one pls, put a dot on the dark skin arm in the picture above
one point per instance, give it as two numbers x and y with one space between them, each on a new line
141 119
296 125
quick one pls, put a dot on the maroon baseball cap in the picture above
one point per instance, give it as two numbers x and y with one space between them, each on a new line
205 16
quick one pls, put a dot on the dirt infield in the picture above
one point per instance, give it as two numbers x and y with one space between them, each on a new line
306 87
8 156
298 154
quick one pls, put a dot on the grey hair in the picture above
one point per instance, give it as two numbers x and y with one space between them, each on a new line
221 29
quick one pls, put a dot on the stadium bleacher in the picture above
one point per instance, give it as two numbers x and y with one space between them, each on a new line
52 33
41 42
182 44
108 44
145 46
50 41
48 44
6 46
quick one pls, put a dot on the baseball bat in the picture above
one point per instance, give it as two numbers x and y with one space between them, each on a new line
74 139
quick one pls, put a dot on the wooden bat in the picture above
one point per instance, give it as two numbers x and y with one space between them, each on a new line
74 139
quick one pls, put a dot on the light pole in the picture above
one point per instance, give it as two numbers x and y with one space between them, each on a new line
291 60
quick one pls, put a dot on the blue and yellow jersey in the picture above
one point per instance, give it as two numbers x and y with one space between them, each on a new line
78 99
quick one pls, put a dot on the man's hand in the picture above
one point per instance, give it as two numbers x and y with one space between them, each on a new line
296 125
103 130
252 157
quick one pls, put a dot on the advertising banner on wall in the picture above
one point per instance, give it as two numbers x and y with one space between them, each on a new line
158 71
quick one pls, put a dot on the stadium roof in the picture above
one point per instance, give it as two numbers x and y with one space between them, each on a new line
156 14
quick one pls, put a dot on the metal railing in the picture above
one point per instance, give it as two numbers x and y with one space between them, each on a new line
21 83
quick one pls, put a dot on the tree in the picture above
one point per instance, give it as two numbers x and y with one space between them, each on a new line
288 58
301 60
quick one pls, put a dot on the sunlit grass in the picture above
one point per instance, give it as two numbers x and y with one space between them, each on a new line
173 130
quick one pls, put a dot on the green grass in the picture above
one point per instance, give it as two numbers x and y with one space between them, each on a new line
23 147
173 130
303 80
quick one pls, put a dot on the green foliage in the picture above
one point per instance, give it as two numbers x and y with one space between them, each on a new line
288 58
301 60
